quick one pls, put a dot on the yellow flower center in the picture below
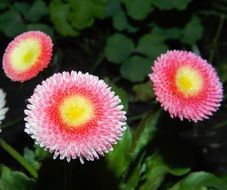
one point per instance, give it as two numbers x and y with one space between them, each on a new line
25 54
76 110
188 81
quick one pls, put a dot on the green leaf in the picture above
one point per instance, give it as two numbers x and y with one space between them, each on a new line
136 68
143 91
122 95
152 45
193 31
29 155
59 16
112 7
118 48
144 133
8 21
84 12
173 4
168 33
41 154
120 21
4 4
41 27
156 169
37 11
118 159
200 181
21 7
138 9
14 180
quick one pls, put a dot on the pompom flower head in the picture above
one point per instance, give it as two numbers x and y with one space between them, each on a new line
27 55
3 109
186 85
75 115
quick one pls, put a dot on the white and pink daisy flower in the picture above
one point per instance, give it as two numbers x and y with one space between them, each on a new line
75 115
186 85
3 109
27 55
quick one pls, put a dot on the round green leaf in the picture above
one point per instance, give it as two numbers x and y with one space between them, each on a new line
138 9
118 48
8 21
193 31
59 16
152 45
135 68
36 11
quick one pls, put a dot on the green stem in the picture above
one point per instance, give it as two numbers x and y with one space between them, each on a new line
16 155
215 41
11 123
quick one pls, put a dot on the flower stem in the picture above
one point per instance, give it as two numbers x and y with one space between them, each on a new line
16 155
216 38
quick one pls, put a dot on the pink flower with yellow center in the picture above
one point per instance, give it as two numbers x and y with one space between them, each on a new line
186 85
75 115
27 55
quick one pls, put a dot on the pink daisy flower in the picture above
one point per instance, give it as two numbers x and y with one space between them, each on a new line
75 115
186 85
27 55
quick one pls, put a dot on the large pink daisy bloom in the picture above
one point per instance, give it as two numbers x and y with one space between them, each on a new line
27 55
186 85
75 115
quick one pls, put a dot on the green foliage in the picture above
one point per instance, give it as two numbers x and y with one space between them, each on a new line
14 180
118 160
29 155
8 21
143 91
200 181
118 48
156 169
72 16
173 4
152 45
138 9
193 31
136 68
59 17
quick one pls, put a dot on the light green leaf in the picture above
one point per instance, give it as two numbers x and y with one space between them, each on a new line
59 16
29 155
152 45
41 154
118 159
8 21
156 169
138 9
122 95
135 68
143 91
193 31
173 4
84 12
41 27
200 181
144 133
118 48
14 180
37 11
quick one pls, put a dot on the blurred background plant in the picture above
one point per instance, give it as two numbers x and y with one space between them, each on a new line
118 40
